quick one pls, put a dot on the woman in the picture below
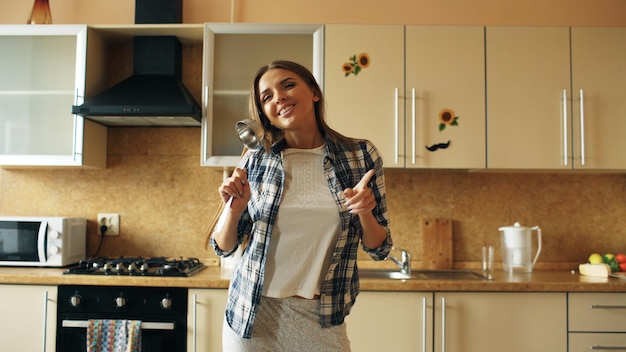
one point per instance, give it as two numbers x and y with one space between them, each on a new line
302 203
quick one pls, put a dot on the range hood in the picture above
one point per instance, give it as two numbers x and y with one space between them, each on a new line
154 94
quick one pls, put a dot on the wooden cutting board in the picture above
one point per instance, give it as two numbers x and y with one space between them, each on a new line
437 244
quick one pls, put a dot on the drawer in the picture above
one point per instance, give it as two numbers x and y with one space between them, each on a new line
601 312
579 342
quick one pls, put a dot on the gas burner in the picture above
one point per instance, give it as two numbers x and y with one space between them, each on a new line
137 266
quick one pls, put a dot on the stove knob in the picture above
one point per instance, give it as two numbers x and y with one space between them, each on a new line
120 302
75 300
119 267
166 303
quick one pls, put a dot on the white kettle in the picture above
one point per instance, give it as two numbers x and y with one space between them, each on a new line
516 243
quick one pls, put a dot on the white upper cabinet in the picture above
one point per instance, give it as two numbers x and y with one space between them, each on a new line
367 103
598 95
232 55
445 90
552 105
528 82
42 74
417 92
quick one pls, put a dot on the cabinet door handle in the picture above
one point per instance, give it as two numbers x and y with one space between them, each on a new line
608 348
565 148
78 99
75 136
45 318
423 324
195 320
603 306
413 113
397 115
443 324
205 100
205 148
582 128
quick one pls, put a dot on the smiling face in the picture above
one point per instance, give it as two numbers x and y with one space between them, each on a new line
289 104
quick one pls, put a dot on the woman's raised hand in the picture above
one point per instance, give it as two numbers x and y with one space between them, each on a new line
360 198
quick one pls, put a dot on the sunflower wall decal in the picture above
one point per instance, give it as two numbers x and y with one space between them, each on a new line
447 118
355 64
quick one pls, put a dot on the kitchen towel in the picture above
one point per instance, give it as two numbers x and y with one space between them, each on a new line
113 335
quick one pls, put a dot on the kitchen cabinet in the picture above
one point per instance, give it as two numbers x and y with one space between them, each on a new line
232 55
598 104
391 321
503 321
596 321
413 77
459 321
28 317
553 98
42 73
205 319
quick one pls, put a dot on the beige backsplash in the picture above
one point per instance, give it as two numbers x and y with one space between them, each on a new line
166 201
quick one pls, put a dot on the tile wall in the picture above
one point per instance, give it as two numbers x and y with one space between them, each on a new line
166 201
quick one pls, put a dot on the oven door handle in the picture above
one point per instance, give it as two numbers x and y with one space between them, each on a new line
144 325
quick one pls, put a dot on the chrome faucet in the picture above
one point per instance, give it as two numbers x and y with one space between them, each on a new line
404 263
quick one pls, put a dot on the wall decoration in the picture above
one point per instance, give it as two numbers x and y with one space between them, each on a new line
436 146
355 64
446 117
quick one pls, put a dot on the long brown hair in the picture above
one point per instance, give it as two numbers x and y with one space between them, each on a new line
273 134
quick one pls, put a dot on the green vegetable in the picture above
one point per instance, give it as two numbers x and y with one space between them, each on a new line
612 262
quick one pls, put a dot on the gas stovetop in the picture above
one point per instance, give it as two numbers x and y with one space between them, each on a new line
137 266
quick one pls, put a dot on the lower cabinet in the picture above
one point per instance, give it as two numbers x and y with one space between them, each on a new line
28 317
391 321
459 322
597 321
205 318
500 321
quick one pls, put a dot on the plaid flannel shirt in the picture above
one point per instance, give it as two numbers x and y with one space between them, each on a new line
341 283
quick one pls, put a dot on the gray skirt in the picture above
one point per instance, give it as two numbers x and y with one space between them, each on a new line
287 324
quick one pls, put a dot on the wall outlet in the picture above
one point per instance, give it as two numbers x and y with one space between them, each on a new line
112 221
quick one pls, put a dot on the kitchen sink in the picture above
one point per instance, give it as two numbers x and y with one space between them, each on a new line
384 274
452 274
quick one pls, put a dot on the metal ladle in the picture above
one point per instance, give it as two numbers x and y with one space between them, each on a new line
250 133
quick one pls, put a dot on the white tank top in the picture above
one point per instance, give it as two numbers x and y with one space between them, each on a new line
306 229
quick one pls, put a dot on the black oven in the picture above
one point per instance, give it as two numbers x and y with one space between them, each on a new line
162 311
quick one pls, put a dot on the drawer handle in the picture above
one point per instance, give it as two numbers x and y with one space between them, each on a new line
144 325
611 348
602 306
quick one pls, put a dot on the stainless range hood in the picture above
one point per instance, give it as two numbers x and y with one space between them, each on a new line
154 95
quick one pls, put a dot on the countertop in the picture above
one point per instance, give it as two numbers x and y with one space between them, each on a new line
218 278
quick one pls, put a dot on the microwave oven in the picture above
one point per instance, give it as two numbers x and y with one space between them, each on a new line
42 241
